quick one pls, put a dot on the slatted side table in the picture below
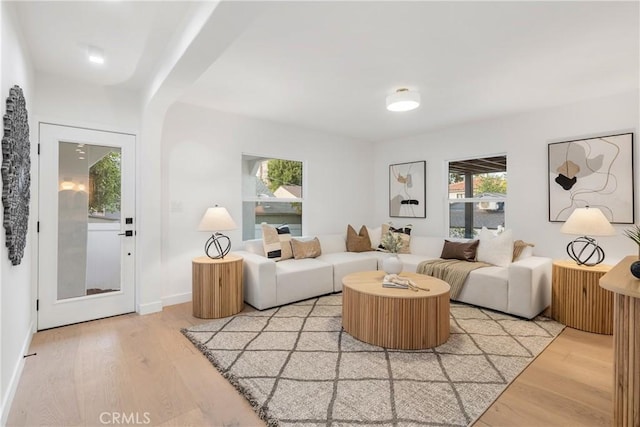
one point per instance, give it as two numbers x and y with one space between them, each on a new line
626 342
217 286
578 301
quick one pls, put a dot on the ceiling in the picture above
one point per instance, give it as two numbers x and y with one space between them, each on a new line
132 34
328 66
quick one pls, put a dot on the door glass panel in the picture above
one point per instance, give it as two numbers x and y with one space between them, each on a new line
89 184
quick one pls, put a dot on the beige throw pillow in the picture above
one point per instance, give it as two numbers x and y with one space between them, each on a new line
358 242
276 242
519 247
306 248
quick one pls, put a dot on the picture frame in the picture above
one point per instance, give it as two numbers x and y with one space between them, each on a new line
595 172
408 190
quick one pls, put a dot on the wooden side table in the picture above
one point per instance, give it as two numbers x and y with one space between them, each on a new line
626 342
217 286
577 300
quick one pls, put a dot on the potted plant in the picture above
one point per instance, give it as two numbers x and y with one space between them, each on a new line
634 234
392 243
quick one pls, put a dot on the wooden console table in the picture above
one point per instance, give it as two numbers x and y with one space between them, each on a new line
626 342
576 299
217 286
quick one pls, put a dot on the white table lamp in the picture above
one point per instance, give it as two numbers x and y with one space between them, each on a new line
587 222
217 219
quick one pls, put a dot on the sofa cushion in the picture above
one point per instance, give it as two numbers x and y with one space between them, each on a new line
331 243
349 262
277 242
429 246
298 279
378 256
410 261
496 250
358 242
465 251
305 248
487 287
255 246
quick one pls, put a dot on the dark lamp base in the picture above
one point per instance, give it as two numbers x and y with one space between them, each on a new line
221 246
585 251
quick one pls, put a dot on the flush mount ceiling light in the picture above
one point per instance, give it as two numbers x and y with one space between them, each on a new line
403 100
95 55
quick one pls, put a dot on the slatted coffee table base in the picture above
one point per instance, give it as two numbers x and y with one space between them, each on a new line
402 323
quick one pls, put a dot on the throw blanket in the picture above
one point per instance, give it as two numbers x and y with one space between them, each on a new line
452 271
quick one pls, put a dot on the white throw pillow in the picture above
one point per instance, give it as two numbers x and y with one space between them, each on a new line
374 235
496 250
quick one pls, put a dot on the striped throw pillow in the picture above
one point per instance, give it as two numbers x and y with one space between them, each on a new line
276 242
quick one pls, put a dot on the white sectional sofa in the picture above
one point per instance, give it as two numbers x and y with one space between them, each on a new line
523 288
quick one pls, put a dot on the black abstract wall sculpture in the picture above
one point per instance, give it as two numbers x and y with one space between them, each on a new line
16 174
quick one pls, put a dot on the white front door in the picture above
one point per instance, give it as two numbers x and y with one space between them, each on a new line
87 226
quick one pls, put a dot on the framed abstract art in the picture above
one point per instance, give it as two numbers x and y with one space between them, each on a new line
595 172
407 190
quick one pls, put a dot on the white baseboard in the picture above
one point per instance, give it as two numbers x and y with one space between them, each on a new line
15 378
150 307
176 299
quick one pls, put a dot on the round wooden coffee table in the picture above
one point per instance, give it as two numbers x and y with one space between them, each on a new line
395 318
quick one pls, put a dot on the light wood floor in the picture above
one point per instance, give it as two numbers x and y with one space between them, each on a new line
143 367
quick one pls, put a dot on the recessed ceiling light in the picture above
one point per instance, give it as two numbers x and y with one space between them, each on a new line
96 55
403 100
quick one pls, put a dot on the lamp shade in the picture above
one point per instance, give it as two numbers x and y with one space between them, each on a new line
403 100
588 222
216 219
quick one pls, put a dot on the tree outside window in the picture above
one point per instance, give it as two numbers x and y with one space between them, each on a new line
104 185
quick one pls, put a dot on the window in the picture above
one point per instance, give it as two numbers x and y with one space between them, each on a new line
477 195
272 194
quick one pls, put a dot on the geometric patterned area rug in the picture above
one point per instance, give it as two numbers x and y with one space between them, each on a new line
297 367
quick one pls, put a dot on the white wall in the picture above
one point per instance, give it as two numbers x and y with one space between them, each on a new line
16 287
523 138
202 153
65 101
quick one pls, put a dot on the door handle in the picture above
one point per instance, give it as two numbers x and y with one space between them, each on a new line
127 233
